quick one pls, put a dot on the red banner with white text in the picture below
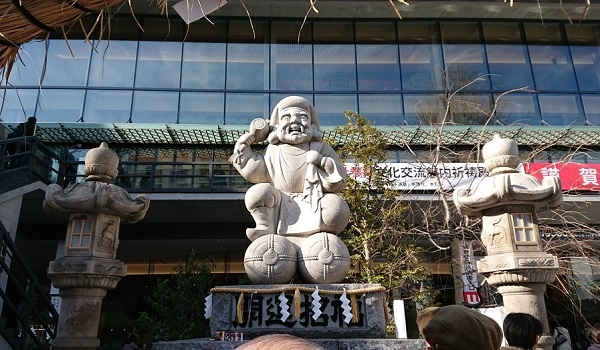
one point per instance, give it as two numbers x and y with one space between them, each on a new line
573 176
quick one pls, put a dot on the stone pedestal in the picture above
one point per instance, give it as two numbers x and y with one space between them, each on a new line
528 298
266 310
83 283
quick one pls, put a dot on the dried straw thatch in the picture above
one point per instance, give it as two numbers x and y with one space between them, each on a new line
24 20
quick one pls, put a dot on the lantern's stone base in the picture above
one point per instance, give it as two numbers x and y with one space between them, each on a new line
328 344
517 261
286 308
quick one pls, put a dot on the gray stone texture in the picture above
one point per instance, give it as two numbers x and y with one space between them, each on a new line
328 344
296 179
507 201
88 268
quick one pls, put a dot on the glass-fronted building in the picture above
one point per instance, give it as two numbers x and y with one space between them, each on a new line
171 100
396 72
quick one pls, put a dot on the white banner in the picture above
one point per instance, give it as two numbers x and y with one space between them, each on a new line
423 176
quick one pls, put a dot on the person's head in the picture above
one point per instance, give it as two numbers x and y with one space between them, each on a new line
595 333
456 327
295 121
279 342
31 119
522 330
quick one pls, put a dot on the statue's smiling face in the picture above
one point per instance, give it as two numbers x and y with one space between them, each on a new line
294 126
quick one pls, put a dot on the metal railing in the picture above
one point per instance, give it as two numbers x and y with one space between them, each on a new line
24 160
28 319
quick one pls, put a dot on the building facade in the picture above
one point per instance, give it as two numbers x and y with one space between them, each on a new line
171 100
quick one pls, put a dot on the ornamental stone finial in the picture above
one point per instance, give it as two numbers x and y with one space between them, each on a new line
501 155
101 164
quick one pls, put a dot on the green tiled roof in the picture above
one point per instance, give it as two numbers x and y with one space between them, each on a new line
197 134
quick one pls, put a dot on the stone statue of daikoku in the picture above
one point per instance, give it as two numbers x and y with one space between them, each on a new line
293 202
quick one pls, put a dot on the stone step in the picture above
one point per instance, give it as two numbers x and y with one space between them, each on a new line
328 344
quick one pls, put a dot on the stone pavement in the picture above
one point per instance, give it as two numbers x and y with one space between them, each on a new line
328 344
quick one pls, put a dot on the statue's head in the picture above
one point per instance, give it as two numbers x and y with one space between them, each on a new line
294 121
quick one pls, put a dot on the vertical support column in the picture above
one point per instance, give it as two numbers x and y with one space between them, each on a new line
528 298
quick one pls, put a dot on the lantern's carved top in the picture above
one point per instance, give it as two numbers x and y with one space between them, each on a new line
505 184
101 164
97 193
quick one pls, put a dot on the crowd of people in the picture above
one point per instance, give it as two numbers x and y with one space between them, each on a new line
453 327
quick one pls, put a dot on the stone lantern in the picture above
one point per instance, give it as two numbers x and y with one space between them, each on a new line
88 268
507 201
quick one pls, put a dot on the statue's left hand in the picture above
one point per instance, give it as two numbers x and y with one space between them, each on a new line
313 157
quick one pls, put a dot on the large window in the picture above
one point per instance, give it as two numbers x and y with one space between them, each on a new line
377 64
507 57
552 65
334 57
464 58
247 56
230 71
291 57
420 57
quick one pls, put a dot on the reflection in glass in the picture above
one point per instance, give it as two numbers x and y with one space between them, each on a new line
292 67
56 105
107 106
421 67
246 66
469 109
463 56
381 109
27 70
113 64
291 60
334 56
561 110
154 107
335 68
203 66
241 109
159 64
586 60
19 104
377 56
585 51
420 57
591 105
378 68
517 109
331 108
201 108
552 66
507 57
68 64
423 109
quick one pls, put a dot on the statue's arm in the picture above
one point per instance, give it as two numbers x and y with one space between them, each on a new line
331 166
247 162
